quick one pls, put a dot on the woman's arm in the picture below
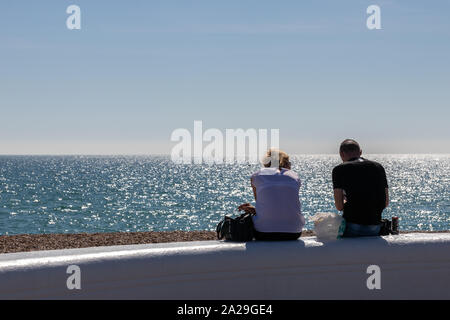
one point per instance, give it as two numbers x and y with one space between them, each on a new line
254 188
247 207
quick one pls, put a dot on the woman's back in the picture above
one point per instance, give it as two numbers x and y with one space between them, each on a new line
278 206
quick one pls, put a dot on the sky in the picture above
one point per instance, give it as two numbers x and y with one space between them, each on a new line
138 70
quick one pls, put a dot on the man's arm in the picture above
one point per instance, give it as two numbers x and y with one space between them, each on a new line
385 184
386 190
339 199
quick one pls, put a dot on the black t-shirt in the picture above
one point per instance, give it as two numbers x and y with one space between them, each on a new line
364 183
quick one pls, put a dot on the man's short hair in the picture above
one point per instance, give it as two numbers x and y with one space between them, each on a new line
349 146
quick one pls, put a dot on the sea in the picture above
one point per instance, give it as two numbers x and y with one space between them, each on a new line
89 194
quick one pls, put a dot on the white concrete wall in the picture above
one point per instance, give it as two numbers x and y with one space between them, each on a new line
413 266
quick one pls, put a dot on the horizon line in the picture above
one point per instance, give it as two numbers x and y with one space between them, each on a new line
167 154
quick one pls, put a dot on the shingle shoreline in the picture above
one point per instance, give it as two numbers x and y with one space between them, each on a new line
35 242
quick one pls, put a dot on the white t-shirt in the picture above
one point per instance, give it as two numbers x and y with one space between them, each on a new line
278 206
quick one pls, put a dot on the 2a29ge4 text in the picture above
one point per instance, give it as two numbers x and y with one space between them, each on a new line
231 309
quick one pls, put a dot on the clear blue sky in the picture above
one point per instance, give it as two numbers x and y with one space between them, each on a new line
137 70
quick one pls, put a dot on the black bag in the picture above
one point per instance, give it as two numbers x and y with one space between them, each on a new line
386 227
239 229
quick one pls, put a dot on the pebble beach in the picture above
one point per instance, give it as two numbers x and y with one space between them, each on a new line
35 242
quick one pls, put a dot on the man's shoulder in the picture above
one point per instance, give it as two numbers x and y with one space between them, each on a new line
338 168
372 163
342 166
358 164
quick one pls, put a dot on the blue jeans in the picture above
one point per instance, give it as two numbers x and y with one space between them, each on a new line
359 230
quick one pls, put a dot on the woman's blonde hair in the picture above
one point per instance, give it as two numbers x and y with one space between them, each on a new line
272 155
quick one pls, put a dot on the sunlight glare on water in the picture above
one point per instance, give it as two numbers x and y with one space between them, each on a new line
71 194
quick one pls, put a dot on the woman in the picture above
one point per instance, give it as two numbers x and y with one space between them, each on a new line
276 189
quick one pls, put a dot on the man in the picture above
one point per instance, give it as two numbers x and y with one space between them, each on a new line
360 190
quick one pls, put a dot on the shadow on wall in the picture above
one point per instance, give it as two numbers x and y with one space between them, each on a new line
310 250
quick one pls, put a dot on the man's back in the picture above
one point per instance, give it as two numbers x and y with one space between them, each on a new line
364 183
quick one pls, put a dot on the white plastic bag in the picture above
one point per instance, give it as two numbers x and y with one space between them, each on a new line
328 226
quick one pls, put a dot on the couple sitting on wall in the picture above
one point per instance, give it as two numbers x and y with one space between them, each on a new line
360 190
